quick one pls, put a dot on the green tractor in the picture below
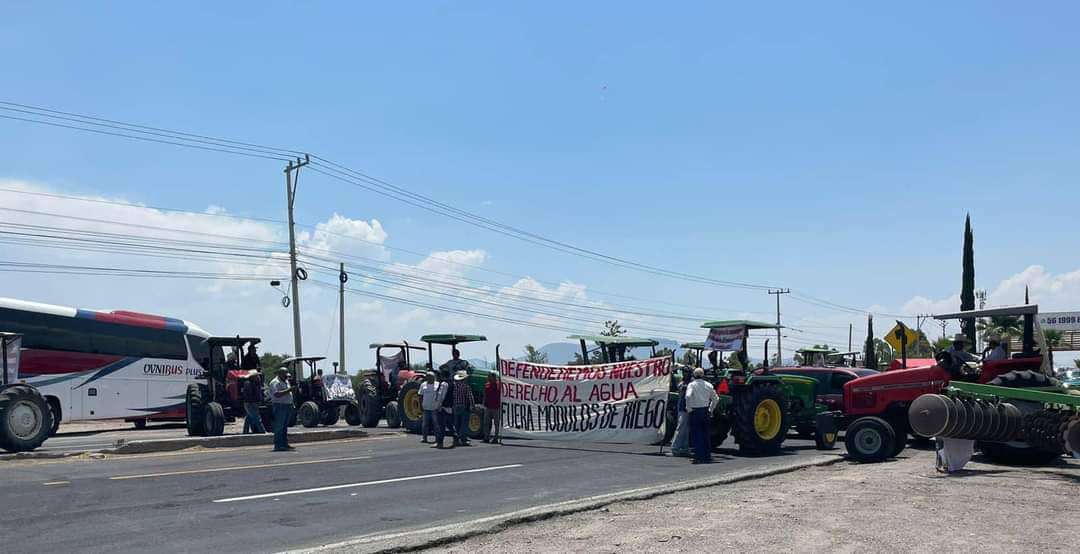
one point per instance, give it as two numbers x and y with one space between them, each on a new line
612 349
409 399
757 407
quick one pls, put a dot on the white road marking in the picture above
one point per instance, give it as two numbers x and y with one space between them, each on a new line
364 484
50 483
235 468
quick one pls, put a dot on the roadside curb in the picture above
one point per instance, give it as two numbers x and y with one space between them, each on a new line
419 539
228 441
39 455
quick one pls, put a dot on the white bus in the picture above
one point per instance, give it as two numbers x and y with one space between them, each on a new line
93 364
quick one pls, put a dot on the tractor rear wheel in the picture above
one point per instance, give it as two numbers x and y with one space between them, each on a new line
761 419
214 419
196 410
1019 455
309 414
719 430
352 414
393 415
870 439
412 414
331 416
824 440
26 420
367 399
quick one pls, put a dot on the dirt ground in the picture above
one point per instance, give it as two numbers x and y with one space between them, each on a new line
903 505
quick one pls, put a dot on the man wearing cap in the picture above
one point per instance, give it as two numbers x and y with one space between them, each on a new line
252 395
700 400
959 353
281 400
429 402
463 403
994 350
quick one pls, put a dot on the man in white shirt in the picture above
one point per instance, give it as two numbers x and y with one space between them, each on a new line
281 401
700 400
429 402
995 351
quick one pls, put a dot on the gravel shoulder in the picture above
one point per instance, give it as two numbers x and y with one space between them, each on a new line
903 505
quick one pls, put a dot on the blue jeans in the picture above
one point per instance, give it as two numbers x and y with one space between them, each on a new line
282 414
252 420
429 425
699 434
461 419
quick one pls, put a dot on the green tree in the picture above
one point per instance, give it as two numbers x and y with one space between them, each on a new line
664 352
1003 325
613 329
922 347
689 358
967 282
942 343
870 358
532 355
1054 338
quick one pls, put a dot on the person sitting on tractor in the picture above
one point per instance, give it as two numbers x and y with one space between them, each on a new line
959 354
456 364
251 359
714 360
994 350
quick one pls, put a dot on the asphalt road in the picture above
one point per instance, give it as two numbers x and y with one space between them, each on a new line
253 500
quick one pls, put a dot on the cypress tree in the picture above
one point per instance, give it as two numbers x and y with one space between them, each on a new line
967 285
870 358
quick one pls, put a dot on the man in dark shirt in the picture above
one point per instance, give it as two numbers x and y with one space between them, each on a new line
251 359
252 394
492 410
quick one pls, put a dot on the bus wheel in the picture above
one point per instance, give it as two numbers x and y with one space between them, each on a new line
140 423
57 415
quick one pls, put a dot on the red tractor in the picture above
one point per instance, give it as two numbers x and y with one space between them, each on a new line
210 405
874 415
383 391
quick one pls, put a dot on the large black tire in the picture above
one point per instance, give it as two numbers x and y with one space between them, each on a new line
367 399
412 414
139 424
214 420
761 419
670 422
393 415
56 413
352 414
721 427
308 414
476 422
196 410
330 416
25 418
824 440
901 429
870 440
1008 454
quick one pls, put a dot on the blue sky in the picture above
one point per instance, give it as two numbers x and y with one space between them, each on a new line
832 148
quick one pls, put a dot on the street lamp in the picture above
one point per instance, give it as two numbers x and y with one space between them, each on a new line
285 301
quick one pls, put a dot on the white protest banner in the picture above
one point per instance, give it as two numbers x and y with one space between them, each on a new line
726 339
622 402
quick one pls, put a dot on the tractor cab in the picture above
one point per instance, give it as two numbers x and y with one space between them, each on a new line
1034 354
454 364
382 391
612 349
814 357
319 396
843 359
209 405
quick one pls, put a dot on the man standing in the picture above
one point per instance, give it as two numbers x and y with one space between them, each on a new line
700 400
492 410
281 400
429 402
252 395
463 403
444 421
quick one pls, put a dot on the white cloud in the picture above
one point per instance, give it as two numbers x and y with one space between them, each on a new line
341 234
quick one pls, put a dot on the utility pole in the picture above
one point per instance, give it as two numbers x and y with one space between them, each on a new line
292 176
944 323
779 349
342 278
850 328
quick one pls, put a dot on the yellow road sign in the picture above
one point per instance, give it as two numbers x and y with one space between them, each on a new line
894 334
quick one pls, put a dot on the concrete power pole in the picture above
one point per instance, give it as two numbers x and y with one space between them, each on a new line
342 278
850 328
779 349
292 176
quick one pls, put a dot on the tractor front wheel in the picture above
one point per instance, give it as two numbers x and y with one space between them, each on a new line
330 416
761 419
309 414
352 414
214 419
870 440
196 410
367 398
393 415
412 414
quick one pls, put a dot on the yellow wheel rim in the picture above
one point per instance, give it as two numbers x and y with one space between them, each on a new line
474 423
767 418
413 411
